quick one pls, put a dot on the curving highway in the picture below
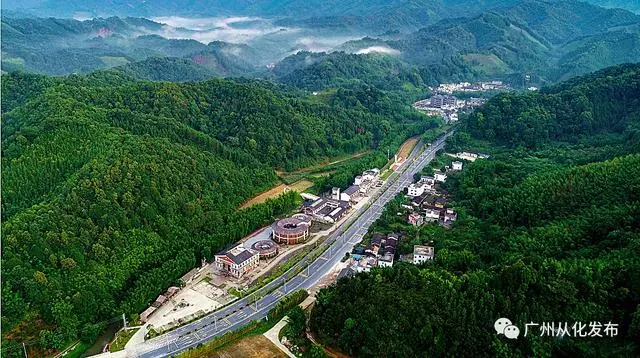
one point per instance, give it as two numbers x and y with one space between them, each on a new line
301 276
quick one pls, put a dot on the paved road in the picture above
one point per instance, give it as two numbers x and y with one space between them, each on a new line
257 305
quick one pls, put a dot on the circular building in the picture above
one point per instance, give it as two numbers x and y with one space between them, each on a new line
293 230
266 248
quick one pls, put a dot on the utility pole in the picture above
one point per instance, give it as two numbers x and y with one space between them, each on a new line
124 322
25 350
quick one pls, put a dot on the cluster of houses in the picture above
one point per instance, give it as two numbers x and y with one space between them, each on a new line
429 203
240 260
450 88
330 209
361 186
447 106
380 252
472 157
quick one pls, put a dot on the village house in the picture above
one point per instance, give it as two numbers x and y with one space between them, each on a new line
415 219
327 210
385 260
440 176
432 214
415 190
440 203
382 249
456 165
417 201
351 194
422 254
425 183
449 216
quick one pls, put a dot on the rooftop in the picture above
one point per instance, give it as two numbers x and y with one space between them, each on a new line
388 257
423 250
239 254
189 274
293 225
352 189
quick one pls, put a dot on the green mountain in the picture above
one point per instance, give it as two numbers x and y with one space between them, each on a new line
170 69
547 39
113 188
544 41
545 233
279 8
317 71
61 46
595 52
360 13
606 101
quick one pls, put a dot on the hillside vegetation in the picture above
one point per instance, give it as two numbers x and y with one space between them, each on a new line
549 40
114 188
545 234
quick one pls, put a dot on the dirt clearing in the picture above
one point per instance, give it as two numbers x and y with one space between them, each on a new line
276 191
257 346
407 147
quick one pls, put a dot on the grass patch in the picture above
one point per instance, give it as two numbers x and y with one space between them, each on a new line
122 337
77 351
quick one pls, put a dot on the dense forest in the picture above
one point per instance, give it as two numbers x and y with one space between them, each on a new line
317 71
606 101
549 233
113 188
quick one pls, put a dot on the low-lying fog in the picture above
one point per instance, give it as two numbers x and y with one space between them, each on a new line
261 34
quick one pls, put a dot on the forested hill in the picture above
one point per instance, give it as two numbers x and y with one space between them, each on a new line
114 188
602 102
553 40
529 42
62 46
548 233
317 71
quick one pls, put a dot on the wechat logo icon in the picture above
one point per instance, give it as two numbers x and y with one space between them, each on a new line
504 326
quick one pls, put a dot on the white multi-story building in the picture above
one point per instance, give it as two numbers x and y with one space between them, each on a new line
432 214
450 215
385 260
415 189
422 254
440 176
456 165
